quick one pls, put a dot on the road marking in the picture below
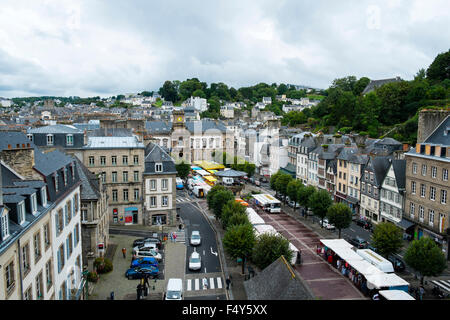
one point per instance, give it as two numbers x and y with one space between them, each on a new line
215 253
197 284
189 287
211 283
219 283
204 252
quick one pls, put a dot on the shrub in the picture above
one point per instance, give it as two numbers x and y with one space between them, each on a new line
92 277
103 265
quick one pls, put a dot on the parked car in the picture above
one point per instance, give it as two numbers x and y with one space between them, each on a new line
328 225
359 243
195 238
144 262
257 183
292 204
142 272
195 261
264 180
141 241
146 246
179 183
147 253
363 223
398 264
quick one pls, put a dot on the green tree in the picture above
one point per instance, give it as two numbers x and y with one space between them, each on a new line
360 85
340 216
319 202
169 91
183 169
239 241
292 190
220 198
426 258
268 248
387 238
304 193
282 183
273 180
238 218
231 208
439 69
211 194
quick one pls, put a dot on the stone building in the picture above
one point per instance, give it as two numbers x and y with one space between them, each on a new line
427 187
119 161
159 187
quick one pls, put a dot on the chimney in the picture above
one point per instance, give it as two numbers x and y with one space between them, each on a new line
21 159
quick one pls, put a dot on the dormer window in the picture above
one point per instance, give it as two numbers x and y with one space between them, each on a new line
55 179
30 137
158 167
44 196
69 139
4 225
33 201
21 212
65 176
49 139
72 169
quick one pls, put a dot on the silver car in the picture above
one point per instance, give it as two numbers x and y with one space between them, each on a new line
195 262
195 238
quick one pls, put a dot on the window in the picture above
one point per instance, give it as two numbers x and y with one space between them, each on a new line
125 194
136 194
37 247
413 187
103 160
430 217
433 172
21 212
59 221
414 168
114 160
421 213
363 187
44 196
30 137
422 190
39 287
33 201
443 196
28 295
49 274
165 201
84 215
164 184
125 160
432 193
136 176
10 277
103 176
397 198
204 142
158 167
114 176
445 174
76 233
49 139
412 208
153 184
136 160
345 176
4 223
91 161
125 176
152 202
76 202
47 235
114 195
371 177
69 245
60 256
69 139
65 176
424 169
26 258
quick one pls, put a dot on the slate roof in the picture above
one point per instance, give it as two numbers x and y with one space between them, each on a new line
441 134
205 125
379 166
155 127
57 128
90 189
113 143
111 132
47 163
374 84
155 154
347 152
13 138
278 281
399 167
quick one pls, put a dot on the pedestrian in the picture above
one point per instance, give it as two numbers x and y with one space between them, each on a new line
299 256
171 237
205 283
421 292
174 237
228 282
124 252
338 263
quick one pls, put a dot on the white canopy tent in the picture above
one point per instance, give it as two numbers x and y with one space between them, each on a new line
364 267
395 295
342 248
265 228
253 217
377 260
381 280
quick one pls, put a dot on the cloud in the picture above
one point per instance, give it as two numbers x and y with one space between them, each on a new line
90 48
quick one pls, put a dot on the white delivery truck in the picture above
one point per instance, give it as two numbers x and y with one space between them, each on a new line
174 289
268 202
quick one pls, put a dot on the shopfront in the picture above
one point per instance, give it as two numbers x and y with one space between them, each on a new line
131 215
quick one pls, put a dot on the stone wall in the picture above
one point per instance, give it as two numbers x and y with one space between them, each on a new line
428 121
21 161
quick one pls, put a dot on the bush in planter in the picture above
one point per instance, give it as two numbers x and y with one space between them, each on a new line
108 266
103 265
92 277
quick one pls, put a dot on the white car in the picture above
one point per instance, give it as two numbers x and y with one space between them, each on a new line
328 225
146 246
195 262
195 238
148 253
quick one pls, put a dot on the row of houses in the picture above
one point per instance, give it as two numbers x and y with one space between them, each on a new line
382 180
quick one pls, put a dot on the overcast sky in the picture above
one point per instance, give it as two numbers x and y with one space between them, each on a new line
110 47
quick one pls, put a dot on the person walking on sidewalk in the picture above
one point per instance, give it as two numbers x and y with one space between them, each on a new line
124 252
174 237
228 281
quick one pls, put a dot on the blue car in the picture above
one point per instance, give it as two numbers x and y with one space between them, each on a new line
144 262
142 272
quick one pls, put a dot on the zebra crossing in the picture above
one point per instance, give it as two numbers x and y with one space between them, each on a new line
183 199
197 284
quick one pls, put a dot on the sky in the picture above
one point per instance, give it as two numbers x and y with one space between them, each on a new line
107 47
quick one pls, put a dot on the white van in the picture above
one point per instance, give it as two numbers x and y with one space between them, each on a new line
174 289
